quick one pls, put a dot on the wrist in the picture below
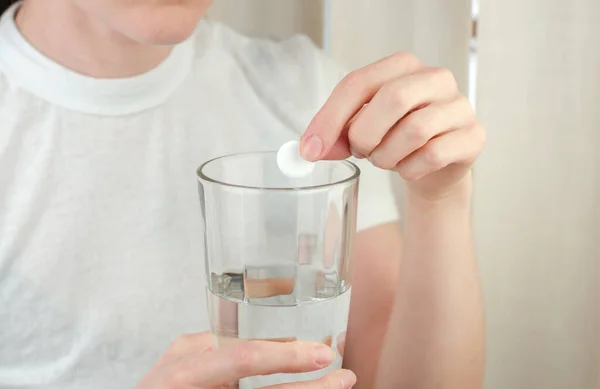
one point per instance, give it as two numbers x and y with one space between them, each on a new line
458 198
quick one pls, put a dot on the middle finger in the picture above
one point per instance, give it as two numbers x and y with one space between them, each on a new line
394 101
418 128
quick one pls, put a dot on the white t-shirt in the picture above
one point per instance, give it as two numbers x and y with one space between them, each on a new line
101 256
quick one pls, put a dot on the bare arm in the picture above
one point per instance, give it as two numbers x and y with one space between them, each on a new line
436 334
410 118
420 326
376 265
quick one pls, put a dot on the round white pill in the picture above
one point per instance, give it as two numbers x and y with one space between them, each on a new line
291 163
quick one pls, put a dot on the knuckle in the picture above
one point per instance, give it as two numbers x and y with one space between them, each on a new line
464 102
179 344
382 162
353 136
352 81
186 338
480 129
461 105
178 379
357 140
407 57
480 135
433 158
416 131
397 96
245 356
405 172
408 176
445 77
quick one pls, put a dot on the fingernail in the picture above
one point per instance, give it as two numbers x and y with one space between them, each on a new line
347 379
323 355
311 148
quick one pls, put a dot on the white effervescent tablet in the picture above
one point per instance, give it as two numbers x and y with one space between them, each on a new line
290 162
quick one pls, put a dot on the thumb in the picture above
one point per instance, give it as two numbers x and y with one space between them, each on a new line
326 137
311 149
327 134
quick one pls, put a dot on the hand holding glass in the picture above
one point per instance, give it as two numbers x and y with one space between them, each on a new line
278 253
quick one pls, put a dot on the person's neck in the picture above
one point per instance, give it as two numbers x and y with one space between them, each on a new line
64 33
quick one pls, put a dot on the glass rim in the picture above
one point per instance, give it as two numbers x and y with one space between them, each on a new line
203 177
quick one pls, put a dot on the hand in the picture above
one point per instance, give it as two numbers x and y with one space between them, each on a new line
191 363
402 116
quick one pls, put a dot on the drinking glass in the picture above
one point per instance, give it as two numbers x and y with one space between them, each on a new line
278 253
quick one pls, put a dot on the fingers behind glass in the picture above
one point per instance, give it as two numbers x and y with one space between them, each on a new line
341 379
252 358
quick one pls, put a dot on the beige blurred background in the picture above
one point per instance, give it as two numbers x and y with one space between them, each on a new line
533 72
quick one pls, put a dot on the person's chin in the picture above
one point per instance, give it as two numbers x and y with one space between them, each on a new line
165 28
171 35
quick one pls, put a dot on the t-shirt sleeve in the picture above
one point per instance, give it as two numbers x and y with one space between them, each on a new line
295 78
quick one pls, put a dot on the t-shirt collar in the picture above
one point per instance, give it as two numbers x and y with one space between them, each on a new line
30 70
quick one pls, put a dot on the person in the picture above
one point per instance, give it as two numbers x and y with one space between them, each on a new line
107 106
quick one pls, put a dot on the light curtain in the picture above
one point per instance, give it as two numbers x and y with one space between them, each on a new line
272 18
537 186
537 198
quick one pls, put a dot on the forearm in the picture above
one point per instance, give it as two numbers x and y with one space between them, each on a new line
435 338
374 285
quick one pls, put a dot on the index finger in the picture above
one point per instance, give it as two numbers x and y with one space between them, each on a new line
253 358
320 140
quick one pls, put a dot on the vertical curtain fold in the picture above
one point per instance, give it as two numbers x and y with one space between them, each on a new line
272 18
438 31
537 191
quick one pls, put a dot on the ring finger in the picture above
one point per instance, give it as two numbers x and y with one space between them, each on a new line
395 100
457 147
418 128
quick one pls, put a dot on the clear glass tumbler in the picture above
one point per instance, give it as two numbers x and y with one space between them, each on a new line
278 253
